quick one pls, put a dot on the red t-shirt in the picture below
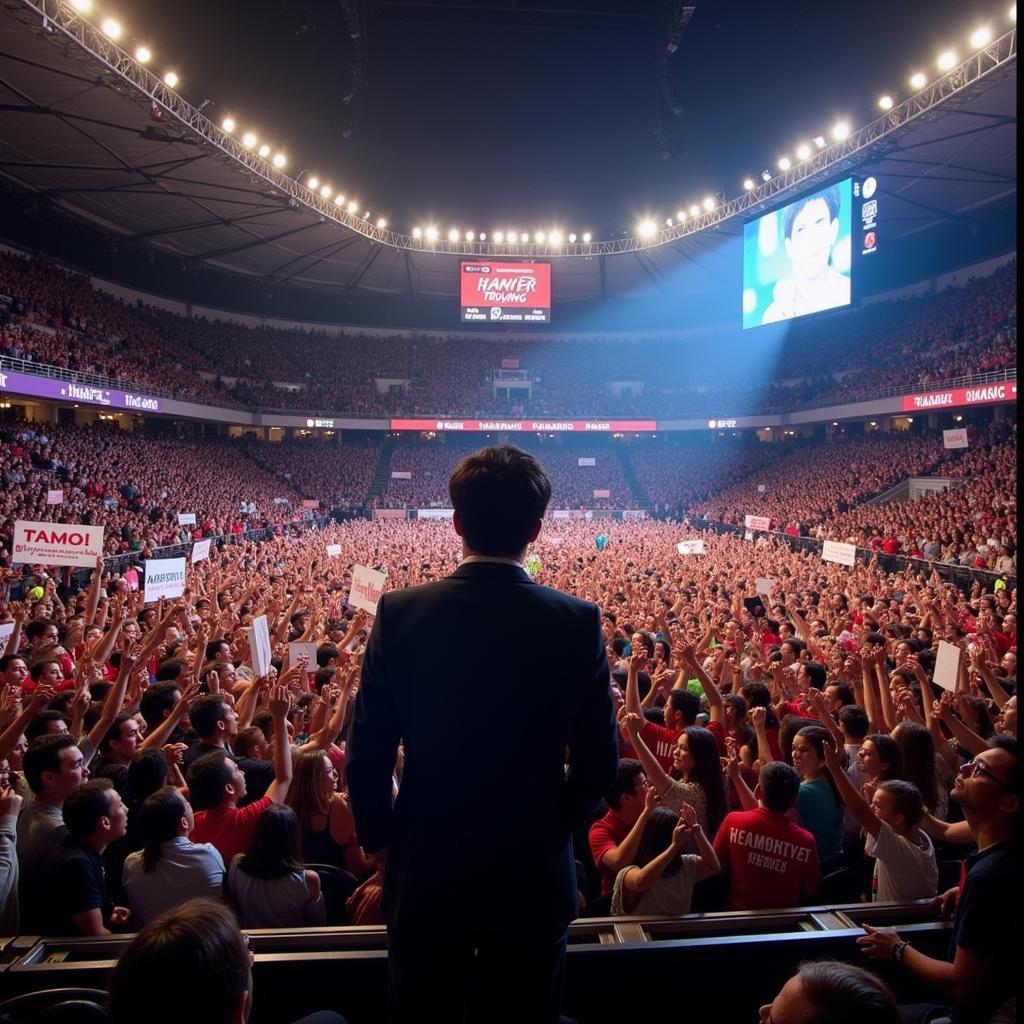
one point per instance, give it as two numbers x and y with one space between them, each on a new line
606 834
661 741
772 862
229 829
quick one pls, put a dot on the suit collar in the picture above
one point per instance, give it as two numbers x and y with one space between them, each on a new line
491 570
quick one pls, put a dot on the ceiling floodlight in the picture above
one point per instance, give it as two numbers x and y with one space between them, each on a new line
483 236
555 238
366 214
352 206
946 60
784 163
885 102
326 191
112 28
143 55
572 236
249 140
339 199
748 184
680 215
647 229
766 175
431 234
1013 13
264 151
499 237
280 160
917 80
586 236
539 236
82 6
981 36
170 79
453 235
709 203
470 236
803 151
669 222
840 130
381 222
695 210
417 232
524 237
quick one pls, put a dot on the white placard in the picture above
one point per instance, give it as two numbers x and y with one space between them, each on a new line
690 547
748 535
299 651
333 550
6 629
54 497
582 461
165 577
757 522
200 551
186 519
400 474
765 586
434 513
56 543
834 551
367 586
761 488
259 645
955 438
602 492
947 666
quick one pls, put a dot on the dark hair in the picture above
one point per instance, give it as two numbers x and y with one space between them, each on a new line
157 699
170 669
707 771
146 774
780 786
245 740
917 748
625 781
818 674
37 627
844 692
206 713
37 724
44 755
738 703
84 807
791 725
322 677
8 658
213 646
980 707
326 653
907 799
854 719
1004 741
840 993
114 732
656 838
199 940
35 670
818 736
499 494
160 818
276 847
207 777
888 753
685 702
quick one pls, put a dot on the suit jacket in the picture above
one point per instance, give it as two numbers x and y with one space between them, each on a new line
487 678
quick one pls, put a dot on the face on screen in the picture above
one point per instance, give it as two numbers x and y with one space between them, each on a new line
813 235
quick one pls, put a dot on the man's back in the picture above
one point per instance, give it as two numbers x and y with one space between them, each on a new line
487 678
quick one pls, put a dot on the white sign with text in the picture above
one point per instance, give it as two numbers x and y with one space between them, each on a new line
690 547
955 438
947 666
367 586
200 551
56 543
54 497
757 522
834 551
165 577
186 519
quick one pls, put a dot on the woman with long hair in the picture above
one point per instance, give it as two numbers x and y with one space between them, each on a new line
880 759
818 805
696 773
921 766
269 885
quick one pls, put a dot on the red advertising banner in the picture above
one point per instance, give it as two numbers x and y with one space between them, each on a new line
525 426
505 292
1004 391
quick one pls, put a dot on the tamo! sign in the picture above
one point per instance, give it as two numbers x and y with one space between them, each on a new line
57 543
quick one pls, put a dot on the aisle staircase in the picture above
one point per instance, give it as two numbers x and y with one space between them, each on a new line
635 487
382 474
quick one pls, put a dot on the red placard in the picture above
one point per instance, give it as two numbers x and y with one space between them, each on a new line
503 291
1004 391
526 426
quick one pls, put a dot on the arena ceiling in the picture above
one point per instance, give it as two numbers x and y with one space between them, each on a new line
76 133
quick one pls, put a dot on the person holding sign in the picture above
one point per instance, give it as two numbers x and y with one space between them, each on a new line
443 846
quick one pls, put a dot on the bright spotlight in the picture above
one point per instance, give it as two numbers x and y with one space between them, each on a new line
555 238
280 160
82 6
680 215
524 237
885 102
586 236
803 151
981 36
453 235
143 54
647 229
669 222
709 203
249 140
366 214
539 236
1013 13
431 234
264 151
785 164
326 191
840 130
381 222
695 210
572 236
499 236
339 199
112 28
483 236
470 236
748 184
170 79
946 61
313 183
417 232
917 80
228 124
352 206
819 141
766 175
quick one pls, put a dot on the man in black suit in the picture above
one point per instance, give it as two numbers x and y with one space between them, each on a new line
498 690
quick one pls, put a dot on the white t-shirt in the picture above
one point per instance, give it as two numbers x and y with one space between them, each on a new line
904 870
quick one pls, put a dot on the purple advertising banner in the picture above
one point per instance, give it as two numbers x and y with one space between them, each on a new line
65 390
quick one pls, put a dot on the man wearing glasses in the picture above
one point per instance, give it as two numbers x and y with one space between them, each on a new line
980 982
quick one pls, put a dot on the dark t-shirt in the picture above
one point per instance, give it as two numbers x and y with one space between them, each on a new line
117 773
72 881
986 925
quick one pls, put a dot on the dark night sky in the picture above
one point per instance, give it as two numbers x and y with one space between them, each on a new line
522 121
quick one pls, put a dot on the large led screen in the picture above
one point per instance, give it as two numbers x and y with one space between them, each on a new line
498 292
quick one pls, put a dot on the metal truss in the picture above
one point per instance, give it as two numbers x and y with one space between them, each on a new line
960 84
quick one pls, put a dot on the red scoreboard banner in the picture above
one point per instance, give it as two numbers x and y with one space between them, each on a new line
522 426
1004 391
505 292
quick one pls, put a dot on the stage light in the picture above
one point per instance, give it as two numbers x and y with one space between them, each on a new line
352 206
82 6
483 236
143 55
326 191
381 222
885 102
766 175
748 183
249 140
917 80
680 215
669 222
586 236
313 183
366 214
470 236
539 236
339 199
112 28
280 160
840 130
695 210
499 237
784 164
946 60
647 229
417 232
981 36
524 237
431 234
170 79
709 203
1013 13
453 235
555 238
803 151
572 237
228 124
264 151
